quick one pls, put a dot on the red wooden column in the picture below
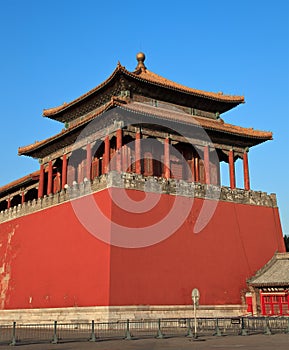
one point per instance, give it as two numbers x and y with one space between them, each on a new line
8 203
64 171
232 169
167 158
246 171
49 181
41 181
118 149
88 161
137 153
207 164
106 155
23 197
193 169
197 170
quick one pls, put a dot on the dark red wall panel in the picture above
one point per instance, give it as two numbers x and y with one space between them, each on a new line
49 259
238 240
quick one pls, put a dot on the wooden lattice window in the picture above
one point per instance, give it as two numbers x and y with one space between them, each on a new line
148 164
202 176
95 168
81 171
70 174
275 304
56 183
177 169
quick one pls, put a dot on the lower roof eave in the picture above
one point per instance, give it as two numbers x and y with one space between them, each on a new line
269 285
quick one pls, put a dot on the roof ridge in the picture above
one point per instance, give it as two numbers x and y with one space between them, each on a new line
150 76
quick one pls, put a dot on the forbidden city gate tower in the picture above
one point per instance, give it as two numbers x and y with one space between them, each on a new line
127 212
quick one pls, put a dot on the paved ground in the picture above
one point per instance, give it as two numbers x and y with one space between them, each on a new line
264 342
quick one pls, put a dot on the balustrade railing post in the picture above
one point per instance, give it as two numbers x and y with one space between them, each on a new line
92 337
160 334
127 332
55 339
189 332
218 332
267 328
13 340
243 329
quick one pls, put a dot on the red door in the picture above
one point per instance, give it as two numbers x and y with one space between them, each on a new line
274 304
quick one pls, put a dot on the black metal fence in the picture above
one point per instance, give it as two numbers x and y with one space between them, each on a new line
15 334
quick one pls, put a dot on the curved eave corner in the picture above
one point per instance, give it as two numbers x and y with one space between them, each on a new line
20 182
53 112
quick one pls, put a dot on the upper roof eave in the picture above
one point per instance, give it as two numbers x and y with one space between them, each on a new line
147 76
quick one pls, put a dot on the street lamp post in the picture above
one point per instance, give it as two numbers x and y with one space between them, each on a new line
195 300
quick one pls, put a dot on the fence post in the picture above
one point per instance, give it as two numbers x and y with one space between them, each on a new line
13 340
189 333
267 328
127 332
160 335
243 329
55 339
92 337
218 332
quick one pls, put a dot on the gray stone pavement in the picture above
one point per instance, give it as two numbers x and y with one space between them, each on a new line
264 342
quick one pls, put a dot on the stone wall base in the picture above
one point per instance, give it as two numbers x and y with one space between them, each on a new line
116 313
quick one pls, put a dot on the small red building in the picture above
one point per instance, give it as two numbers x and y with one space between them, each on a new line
127 213
270 287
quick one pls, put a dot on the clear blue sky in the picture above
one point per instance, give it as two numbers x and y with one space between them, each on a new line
53 51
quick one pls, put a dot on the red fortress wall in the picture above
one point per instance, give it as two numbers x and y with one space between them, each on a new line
48 259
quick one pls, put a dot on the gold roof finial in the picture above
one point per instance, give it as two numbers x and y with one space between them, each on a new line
140 59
